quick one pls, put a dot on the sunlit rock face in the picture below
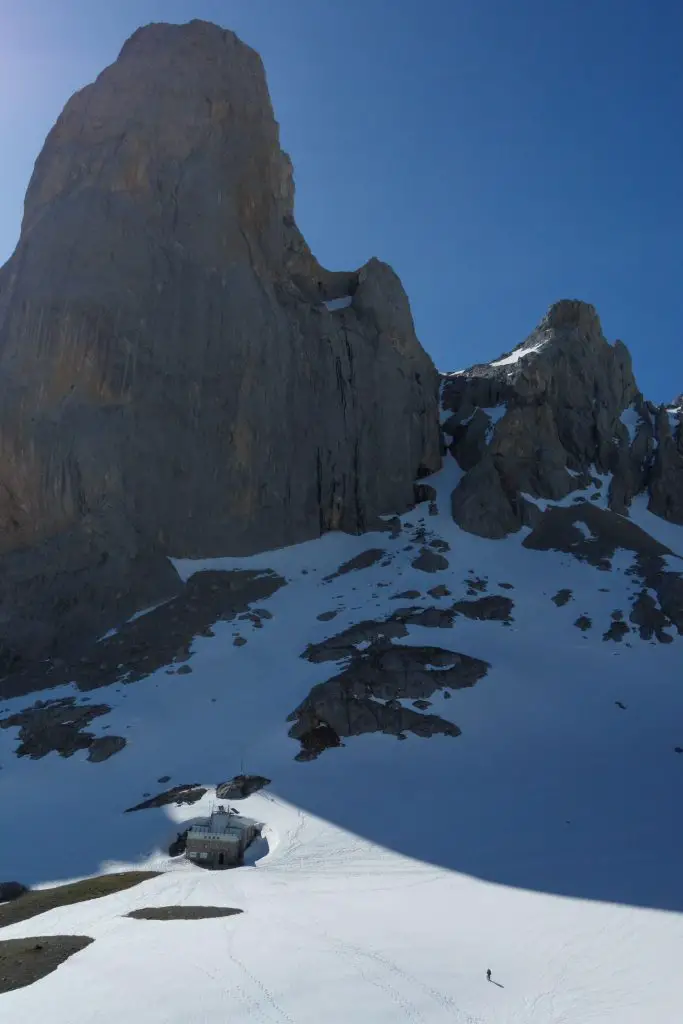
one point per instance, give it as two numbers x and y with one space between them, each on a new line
177 377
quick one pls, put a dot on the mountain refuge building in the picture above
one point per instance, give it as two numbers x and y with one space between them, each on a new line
220 842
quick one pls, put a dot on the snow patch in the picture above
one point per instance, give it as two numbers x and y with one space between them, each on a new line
666 533
584 529
343 303
137 615
631 419
518 354
674 414
494 413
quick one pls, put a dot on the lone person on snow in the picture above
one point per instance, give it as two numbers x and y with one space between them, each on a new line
488 974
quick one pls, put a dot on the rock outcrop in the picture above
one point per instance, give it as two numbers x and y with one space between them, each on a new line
559 414
370 694
241 787
379 676
61 726
180 377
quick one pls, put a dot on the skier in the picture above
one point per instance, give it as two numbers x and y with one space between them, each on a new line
488 974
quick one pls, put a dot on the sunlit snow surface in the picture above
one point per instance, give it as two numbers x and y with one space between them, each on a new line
544 843
519 353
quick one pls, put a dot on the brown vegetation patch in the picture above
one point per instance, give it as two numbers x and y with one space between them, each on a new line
39 901
23 961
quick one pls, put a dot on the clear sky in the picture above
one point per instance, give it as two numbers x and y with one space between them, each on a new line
500 154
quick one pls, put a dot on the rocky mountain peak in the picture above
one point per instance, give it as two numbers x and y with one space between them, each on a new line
572 314
165 38
552 417
179 375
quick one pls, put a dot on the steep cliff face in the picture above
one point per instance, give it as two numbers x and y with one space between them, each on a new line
179 376
560 414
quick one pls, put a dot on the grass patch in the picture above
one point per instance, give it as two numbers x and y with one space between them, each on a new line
23 961
39 901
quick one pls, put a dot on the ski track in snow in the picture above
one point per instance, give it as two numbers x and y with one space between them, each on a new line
544 842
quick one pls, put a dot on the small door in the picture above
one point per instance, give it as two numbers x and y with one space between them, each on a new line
221 859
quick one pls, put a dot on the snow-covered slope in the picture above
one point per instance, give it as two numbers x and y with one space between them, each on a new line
544 842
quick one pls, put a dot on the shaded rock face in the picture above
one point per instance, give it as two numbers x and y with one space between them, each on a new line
544 420
161 637
666 475
173 379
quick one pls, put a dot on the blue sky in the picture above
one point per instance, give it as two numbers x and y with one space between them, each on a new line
500 154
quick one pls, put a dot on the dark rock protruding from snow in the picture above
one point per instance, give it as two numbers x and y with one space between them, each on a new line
241 787
173 380
364 560
11 891
190 793
369 694
542 421
660 603
183 913
60 726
